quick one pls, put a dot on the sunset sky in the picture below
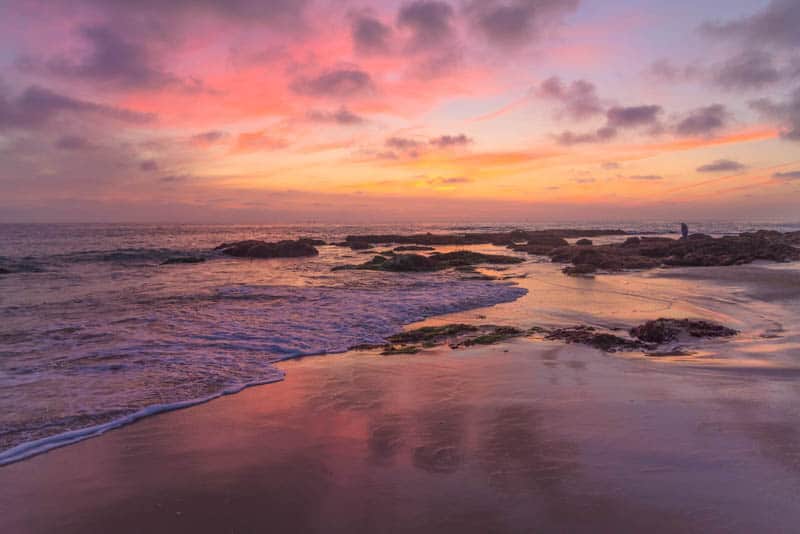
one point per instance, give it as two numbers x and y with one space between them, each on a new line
426 110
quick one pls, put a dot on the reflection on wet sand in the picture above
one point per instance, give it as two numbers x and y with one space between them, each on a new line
478 441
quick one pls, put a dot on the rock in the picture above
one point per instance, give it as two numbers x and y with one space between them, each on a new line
312 241
583 242
434 262
262 249
483 238
3 270
587 335
695 251
188 259
428 334
408 263
360 245
664 330
500 333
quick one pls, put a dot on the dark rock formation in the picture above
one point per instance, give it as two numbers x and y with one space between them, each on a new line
588 335
312 241
261 249
664 330
696 250
540 244
583 242
434 262
432 334
3 270
188 259
498 334
482 238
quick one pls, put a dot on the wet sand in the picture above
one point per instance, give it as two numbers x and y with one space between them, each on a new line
525 436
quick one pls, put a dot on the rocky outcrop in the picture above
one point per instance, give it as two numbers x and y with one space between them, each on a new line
583 242
483 238
588 335
434 262
665 330
695 251
649 338
262 249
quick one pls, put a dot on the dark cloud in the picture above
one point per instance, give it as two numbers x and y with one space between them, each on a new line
209 137
36 106
703 121
341 116
341 83
111 59
646 177
776 24
786 113
632 116
402 143
174 178
455 180
752 69
571 138
665 70
722 165
791 175
509 23
73 142
429 21
370 35
279 14
148 165
446 141
578 99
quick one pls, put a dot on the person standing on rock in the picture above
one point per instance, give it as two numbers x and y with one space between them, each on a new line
684 230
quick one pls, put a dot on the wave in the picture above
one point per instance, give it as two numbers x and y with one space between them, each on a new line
188 353
39 446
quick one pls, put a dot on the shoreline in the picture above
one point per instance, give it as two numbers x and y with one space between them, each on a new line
26 450
407 436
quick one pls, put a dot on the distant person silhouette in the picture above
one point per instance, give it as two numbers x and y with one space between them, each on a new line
684 230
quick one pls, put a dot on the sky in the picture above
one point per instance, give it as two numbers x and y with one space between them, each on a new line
275 111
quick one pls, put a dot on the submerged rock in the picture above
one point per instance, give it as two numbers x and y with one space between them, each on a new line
427 334
588 335
665 330
500 333
261 249
583 242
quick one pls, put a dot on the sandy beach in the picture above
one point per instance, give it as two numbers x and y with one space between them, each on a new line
528 435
